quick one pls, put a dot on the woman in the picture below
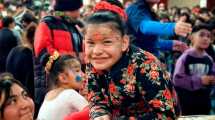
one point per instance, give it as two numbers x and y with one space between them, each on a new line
147 30
14 100
20 60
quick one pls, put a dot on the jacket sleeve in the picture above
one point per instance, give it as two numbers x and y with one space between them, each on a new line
181 79
140 20
160 94
157 28
99 105
165 44
76 100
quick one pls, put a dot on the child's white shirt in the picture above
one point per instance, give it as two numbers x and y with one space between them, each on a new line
66 102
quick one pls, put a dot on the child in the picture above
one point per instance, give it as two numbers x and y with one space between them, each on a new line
124 82
15 103
66 77
194 74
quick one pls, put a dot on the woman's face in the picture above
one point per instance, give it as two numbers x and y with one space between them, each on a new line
19 106
104 45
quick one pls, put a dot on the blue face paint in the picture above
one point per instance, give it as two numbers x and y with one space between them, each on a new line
78 78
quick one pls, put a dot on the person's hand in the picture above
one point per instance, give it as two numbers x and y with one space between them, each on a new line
105 117
208 80
183 29
179 46
212 79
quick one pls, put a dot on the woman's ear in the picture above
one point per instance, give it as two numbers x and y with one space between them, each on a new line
62 78
125 42
190 37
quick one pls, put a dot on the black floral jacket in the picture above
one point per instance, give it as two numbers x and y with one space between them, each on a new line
135 88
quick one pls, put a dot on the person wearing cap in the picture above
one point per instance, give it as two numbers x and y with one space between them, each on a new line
56 33
194 74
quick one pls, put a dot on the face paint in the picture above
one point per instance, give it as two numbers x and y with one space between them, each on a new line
98 36
78 78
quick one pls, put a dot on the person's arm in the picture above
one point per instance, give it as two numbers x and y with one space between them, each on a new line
182 79
99 104
164 44
174 45
150 27
160 94
76 100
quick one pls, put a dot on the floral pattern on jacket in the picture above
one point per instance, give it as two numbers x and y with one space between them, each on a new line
136 87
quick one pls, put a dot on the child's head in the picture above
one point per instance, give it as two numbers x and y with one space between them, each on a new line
65 72
15 104
201 36
105 39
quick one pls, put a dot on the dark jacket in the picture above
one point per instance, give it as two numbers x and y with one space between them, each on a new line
7 41
20 64
136 86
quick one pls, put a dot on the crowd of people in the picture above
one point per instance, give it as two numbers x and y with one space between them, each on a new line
108 60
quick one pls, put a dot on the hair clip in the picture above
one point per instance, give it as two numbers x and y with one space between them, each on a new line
104 5
7 77
52 58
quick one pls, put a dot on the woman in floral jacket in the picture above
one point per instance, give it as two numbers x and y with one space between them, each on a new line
124 82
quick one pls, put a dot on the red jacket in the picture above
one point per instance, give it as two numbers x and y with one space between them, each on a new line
55 34
1 24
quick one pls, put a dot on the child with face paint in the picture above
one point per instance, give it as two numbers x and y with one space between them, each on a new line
65 77
124 82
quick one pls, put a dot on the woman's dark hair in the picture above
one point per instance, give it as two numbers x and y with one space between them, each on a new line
6 82
28 18
57 67
6 21
146 5
30 32
213 11
188 20
116 2
204 10
102 17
